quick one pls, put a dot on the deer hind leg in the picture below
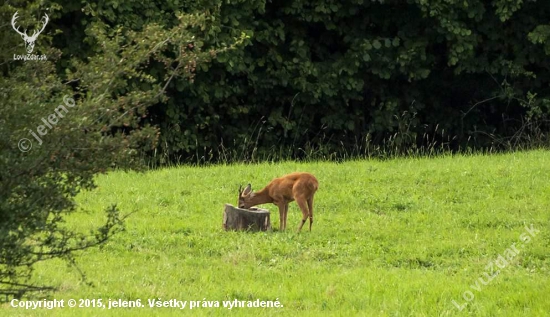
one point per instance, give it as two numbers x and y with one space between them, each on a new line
303 207
285 215
310 206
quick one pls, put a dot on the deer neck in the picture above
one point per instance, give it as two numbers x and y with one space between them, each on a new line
261 197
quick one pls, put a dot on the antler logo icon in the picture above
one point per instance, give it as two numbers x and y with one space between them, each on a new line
29 40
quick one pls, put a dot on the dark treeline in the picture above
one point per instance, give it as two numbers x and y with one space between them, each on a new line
339 76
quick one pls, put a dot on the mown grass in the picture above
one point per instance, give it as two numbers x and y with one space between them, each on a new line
400 237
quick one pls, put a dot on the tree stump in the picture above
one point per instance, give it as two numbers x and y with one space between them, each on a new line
253 219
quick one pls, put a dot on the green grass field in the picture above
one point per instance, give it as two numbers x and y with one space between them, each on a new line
403 237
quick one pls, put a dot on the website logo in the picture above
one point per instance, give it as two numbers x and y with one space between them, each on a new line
29 40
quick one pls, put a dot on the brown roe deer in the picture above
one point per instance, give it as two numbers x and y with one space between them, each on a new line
281 191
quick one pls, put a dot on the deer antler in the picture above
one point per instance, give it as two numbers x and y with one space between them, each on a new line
29 40
46 18
17 29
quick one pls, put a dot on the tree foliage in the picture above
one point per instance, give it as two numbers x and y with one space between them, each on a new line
59 129
329 77
332 74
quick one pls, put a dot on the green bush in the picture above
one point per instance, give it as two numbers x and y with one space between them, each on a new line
57 131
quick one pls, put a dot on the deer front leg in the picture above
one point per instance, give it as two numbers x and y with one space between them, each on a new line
285 215
281 206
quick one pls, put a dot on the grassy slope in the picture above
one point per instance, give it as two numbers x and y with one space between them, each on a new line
401 237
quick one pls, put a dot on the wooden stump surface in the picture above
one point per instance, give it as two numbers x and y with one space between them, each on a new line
254 219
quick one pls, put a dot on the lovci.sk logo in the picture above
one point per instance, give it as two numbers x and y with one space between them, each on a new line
29 40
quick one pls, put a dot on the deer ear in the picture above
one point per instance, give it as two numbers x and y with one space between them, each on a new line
247 189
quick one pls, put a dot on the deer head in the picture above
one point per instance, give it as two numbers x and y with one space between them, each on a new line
243 195
29 40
